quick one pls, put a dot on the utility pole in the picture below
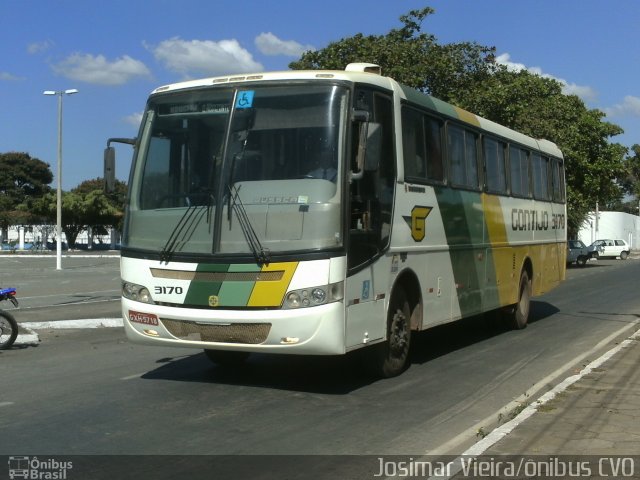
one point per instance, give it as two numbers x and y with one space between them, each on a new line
597 219
59 175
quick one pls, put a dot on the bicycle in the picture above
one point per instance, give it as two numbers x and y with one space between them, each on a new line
8 324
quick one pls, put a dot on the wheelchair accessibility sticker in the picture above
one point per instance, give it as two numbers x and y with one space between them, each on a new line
366 287
245 99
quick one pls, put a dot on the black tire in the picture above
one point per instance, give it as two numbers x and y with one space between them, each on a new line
624 255
581 261
595 255
8 330
227 358
518 314
391 357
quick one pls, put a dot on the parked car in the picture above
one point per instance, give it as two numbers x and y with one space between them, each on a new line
609 248
577 252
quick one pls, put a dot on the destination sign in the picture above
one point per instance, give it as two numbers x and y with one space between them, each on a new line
194 107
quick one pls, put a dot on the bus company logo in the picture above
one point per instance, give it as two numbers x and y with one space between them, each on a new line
214 300
34 468
417 222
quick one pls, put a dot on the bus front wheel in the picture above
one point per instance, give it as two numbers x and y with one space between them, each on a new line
390 358
518 314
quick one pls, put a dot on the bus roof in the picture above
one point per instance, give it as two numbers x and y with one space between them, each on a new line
344 75
369 74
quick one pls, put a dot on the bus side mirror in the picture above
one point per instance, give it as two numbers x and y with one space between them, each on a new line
374 147
109 169
360 119
109 176
369 149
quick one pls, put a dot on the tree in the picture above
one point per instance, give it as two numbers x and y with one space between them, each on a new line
85 206
537 107
103 210
467 75
409 56
631 179
23 180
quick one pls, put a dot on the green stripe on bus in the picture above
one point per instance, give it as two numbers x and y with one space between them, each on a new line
237 293
440 106
200 291
464 227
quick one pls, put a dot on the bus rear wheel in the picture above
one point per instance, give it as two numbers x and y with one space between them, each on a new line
518 314
227 358
390 358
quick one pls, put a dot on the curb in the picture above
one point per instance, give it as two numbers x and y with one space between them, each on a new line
68 324
28 336
504 430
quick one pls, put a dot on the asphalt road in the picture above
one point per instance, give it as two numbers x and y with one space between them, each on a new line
88 286
90 392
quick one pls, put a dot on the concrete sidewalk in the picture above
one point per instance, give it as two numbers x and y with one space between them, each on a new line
596 412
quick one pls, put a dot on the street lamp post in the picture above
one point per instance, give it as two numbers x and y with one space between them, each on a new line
59 93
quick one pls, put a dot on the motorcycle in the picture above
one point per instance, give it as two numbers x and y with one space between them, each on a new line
8 324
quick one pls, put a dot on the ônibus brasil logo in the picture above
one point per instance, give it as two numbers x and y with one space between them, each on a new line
36 469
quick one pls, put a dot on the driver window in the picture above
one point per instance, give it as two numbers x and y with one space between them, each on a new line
372 196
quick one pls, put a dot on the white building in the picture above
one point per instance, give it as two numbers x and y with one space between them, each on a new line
18 236
611 225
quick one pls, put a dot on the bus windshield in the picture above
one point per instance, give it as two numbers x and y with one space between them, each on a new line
220 169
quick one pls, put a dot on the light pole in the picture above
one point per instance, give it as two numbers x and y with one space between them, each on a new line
59 174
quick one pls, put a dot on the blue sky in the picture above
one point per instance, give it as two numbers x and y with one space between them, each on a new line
116 51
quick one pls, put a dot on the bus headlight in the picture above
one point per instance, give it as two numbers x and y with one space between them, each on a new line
293 300
318 296
313 296
136 292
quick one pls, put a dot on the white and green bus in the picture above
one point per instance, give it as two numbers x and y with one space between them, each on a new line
320 212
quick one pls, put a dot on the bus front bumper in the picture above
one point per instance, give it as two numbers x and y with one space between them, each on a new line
306 331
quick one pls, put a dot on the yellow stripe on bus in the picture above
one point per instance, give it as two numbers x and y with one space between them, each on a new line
271 293
466 116
502 254
508 260
495 220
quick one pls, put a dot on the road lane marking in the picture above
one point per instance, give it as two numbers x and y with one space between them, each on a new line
75 294
70 304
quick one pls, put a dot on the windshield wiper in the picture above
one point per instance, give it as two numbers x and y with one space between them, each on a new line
185 227
262 255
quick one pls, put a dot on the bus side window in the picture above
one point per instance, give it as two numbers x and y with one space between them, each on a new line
413 144
519 171
463 157
422 146
540 166
435 169
495 165
557 179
